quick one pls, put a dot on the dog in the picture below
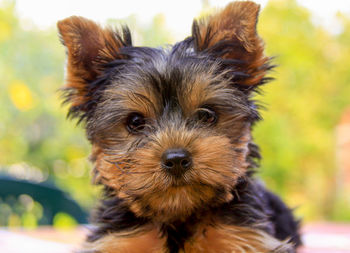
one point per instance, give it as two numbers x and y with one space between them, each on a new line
171 139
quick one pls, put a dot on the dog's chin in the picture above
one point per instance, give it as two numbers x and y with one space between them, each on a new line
179 201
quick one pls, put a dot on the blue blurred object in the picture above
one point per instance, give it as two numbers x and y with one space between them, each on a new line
52 199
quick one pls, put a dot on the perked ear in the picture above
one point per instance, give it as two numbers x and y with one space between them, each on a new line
89 48
231 35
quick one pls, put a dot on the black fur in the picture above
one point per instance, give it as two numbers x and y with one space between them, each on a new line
166 72
252 205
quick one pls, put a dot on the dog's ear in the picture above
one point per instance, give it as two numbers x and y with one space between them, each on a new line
231 35
89 48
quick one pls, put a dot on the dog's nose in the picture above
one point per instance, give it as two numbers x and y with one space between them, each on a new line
176 161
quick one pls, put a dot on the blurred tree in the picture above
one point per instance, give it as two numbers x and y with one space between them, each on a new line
304 105
36 142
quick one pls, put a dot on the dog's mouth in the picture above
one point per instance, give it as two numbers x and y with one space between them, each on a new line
187 179
179 181
183 178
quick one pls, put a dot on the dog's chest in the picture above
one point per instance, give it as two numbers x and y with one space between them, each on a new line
219 239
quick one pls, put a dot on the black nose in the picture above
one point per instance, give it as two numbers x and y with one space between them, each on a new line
176 161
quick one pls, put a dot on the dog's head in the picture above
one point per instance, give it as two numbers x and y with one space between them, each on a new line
170 128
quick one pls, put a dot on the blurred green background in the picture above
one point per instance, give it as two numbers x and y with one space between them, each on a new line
303 138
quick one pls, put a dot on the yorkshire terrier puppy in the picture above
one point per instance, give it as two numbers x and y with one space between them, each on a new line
171 137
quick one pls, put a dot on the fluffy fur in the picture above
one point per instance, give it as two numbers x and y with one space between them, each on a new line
197 96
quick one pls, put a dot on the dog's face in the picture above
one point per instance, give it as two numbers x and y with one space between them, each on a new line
170 128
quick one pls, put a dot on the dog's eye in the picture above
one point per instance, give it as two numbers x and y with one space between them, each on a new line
135 122
207 115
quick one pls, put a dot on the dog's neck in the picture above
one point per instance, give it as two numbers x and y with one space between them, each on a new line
114 216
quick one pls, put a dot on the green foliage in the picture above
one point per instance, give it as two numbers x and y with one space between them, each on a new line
64 221
305 104
33 129
21 211
296 138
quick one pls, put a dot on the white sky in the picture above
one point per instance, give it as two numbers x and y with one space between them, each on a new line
178 13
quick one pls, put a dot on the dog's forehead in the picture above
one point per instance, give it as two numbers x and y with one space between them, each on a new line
163 78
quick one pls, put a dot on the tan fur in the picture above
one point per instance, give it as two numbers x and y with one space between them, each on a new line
200 90
167 200
88 45
237 23
234 239
207 239
138 99
135 242
141 174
